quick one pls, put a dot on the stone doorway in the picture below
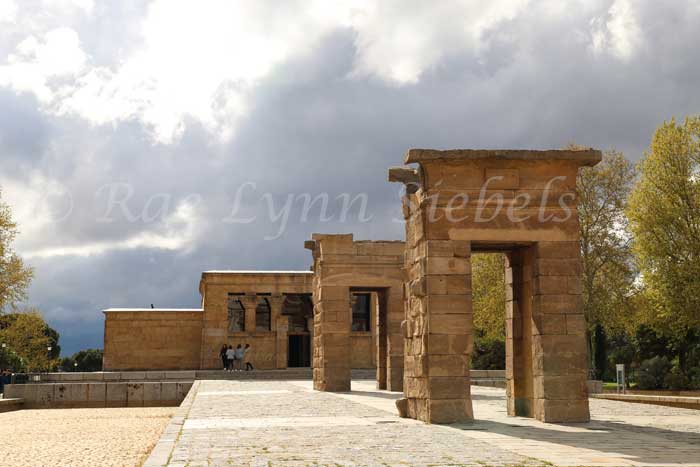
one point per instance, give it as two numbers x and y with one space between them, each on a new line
347 273
299 351
519 202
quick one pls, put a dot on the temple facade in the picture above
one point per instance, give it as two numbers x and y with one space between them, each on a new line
273 311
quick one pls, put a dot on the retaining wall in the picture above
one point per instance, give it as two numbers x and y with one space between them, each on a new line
99 394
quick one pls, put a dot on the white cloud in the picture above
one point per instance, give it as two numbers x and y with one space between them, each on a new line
178 232
203 60
619 32
37 62
86 6
8 11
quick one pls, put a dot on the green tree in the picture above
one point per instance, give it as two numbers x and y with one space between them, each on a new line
9 359
14 275
88 360
608 263
29 337
489 295
608 266
489 303
664 213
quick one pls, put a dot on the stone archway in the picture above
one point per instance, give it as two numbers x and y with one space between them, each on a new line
341 266
523 203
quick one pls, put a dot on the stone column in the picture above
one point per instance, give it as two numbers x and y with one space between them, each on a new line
332 322
310 327
439 331
394 305
559 353
379 304
518 276
250 304
279 324
282 341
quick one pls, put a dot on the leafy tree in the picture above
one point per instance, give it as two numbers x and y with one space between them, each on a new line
489 302
14 275
664 213
10 360
87 360
608 266
489 295
27 335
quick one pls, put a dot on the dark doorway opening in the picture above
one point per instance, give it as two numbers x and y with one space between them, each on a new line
299 351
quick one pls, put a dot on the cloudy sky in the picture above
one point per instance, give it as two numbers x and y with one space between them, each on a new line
144 142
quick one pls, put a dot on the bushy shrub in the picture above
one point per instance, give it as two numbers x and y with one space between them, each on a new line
676 380
488 354
694 378
652 373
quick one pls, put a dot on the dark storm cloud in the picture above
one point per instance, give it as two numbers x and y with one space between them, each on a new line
314 126
23 131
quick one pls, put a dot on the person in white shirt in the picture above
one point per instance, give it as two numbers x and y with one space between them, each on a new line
230 358
246 358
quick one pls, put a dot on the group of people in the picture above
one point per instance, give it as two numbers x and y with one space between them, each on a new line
235 359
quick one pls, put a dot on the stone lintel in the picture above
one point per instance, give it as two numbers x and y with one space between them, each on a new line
584 157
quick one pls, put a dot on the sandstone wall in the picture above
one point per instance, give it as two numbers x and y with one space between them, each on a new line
269 348
152 340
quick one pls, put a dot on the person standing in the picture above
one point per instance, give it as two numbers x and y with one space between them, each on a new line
239 354
230 358
246 358
222 356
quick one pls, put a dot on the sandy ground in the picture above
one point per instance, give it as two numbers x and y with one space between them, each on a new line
118 437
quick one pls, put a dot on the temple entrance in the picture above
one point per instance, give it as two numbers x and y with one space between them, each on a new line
299 351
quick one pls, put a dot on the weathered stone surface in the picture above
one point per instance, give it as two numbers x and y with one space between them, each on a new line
151 393
116 394
97 392
134 394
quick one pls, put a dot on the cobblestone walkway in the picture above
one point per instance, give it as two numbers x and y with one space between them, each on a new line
286 424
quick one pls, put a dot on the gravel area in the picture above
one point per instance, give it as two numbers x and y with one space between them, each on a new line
116 437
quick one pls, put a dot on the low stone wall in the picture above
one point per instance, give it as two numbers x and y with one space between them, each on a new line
594 386
9 405
191 375
114 376
682 402
97 394
487 374
490 378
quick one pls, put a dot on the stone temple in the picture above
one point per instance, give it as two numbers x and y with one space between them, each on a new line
405 307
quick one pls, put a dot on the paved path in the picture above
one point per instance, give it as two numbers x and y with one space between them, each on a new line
286 424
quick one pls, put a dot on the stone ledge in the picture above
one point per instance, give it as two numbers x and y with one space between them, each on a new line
684 402
582 156
9 405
